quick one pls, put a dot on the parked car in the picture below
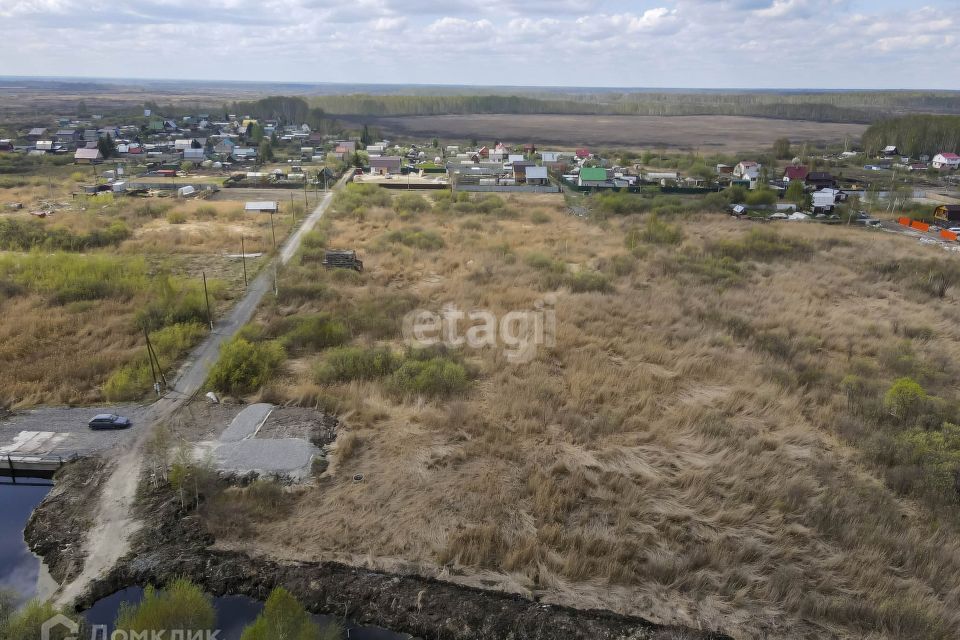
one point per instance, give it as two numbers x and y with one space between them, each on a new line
954 229
109 421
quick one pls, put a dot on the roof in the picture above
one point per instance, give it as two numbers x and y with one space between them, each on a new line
950 208
583 153
748 163
537 173
593 174
37 131
819 175
949 156
795 172
87 154
385 161
261 205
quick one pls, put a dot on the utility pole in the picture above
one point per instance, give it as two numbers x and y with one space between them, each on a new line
206 296
243 258
153 371
273 232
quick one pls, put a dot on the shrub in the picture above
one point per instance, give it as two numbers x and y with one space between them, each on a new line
438 376
760 245
539 217
27 622
587 281
244 366
133 380
905 399
317 331
761 197
180 605
356 363
411 203
176 217
22 235
937 453
284 617
69 278
206 212
659 232
416 238
543 262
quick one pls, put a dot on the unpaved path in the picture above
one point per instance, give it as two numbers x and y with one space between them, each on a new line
114 524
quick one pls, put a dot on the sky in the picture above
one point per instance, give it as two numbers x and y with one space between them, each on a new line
879 44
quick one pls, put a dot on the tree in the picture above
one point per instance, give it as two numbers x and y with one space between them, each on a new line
436 143
181 605
797 194
283 617
365 138
27 622
781 149
265 151
106 146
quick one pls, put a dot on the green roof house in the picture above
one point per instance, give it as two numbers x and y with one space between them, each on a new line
593 177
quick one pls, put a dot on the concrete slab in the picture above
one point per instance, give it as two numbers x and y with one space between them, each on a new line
247 422
287 457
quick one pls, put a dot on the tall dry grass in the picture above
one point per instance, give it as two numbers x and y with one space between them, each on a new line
688 451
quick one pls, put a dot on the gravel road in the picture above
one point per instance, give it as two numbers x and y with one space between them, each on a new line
109 539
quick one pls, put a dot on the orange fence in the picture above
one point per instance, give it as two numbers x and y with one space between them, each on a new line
920 226
904 220
948 235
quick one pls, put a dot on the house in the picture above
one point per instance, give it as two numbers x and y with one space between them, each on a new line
182 144
592 177
795 172
515 157
947 212
724 170
264 206
520 169
44 145
6 144
244 153
943 160
87 156
747 170
68 136
537 175
36 133
824 200
583 154
889 151
384 165
820 180
497 156
224 147
194 155
550 156
529 148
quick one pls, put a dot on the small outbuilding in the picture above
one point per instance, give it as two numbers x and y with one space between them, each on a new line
262 206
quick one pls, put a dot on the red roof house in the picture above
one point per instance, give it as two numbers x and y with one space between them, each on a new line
583 153
794 172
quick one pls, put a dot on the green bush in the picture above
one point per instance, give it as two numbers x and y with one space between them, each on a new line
761 245
244 366
177 301
411 203
539 217
659 232
543 262
176 217
181 605
356 363
23 235
283 617
133 380
437 376
937 453
316 331
588 281
355 198
905 399
416 238
27 622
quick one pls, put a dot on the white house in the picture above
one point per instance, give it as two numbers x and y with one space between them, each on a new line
946 161
747 170
182 144
537 175
550 156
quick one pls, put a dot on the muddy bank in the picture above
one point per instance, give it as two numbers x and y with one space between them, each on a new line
58 527
174 543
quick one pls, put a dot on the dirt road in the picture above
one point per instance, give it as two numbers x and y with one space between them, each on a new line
109 538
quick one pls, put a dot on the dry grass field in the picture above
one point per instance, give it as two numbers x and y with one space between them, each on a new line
722 134
711 441
78 286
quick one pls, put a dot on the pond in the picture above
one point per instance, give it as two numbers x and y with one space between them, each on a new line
20 570
234 613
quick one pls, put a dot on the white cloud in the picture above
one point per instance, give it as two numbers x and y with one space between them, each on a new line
645 42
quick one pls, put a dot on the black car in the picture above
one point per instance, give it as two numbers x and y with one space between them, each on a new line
109 421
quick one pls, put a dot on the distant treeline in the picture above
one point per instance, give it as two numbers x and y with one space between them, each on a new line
863 107
914 135
286 110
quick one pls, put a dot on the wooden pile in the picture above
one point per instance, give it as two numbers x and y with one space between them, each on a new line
342 260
